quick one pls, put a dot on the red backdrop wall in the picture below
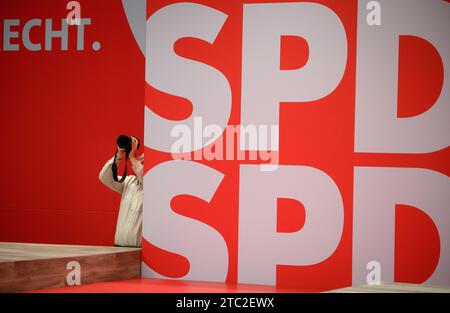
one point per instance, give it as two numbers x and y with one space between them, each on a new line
60 114
62 110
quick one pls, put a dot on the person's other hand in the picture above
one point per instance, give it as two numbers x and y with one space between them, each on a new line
141 159
134 146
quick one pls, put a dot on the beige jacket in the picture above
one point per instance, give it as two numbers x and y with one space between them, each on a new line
129 221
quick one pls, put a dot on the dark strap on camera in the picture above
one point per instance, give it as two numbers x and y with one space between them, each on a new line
114 168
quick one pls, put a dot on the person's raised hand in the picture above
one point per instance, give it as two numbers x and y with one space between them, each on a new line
134 147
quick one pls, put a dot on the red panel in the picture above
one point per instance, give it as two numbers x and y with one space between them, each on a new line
318 134
58 226
60 114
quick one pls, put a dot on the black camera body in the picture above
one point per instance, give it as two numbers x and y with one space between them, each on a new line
125 143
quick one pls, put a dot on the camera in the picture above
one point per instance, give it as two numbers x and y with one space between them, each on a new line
124 142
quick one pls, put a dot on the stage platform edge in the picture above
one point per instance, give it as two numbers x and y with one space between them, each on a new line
29 266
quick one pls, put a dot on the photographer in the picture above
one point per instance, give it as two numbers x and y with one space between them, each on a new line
129 221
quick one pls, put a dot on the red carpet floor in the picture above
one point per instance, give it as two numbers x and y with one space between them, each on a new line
146 285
